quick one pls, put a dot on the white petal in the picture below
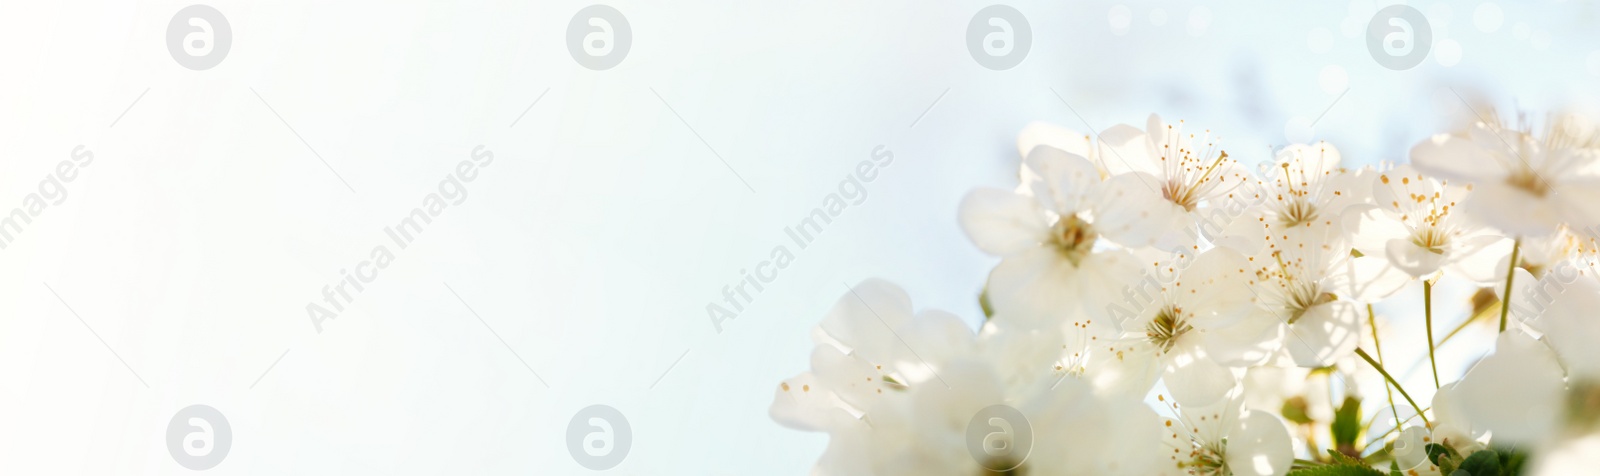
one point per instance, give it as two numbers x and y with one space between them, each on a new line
1414 260
1249 341
1068 179
965 387
1131 212
1041 133
1447 413
800 404
1456 158
1215 288
854 381
1580 455
1124 148
1517 392
864 317
1512 210
1125 369
1259 445
1001 222
1372 229
1324 334
1478 259
1035 289
1310 160
1246 233
1195 379
937 337
1568 321
1107 277
1368 279
1410 449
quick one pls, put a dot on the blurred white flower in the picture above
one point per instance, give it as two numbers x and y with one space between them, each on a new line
1037 134
1562 307
1074 432
896 391
1225 438
1047 233
1177 175
1575 456
1541 255
1145 256
1516 393
1304 287
1417 225
1450 428
1524 185
1303 192
1196 328
864 355
1267 388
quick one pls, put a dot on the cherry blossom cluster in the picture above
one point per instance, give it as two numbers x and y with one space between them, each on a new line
1159 308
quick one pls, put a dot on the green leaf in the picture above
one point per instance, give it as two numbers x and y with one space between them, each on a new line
1343 465
1511 461
1342 459
1394 468
1336 470
1482 463
1346 426
983 301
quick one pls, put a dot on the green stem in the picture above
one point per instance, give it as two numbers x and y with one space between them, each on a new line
1397 386
1372 320
1427 305
1511 271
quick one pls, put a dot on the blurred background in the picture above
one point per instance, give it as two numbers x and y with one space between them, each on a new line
176 268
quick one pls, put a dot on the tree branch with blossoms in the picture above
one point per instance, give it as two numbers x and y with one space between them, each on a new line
1157 308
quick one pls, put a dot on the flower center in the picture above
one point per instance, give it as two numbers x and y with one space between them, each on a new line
1188 171
1166 328
1303 297
1299 211
1208 459
1431 238
1074 238
1527 180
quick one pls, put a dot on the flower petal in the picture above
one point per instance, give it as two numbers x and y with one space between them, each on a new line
1037 134
1516 392
1414 260
1066 180
864 318
1195 380
1001 222
1249 341
1124 148
1324 334
799 403
1512 210
1259 445
1452 157
1132 213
